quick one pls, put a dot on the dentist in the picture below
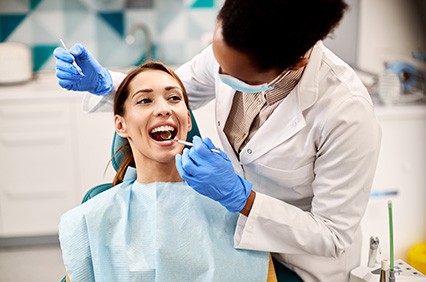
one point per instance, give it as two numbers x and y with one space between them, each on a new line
297 125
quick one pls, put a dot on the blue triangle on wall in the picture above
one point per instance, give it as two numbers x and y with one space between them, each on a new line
115 20
203 4
8 23
41 54
34 4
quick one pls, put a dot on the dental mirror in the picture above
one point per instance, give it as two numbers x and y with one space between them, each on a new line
166 135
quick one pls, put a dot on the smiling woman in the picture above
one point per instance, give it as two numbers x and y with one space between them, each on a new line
152 226
151 101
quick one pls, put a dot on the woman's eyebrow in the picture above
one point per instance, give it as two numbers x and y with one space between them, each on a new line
149 90
168 88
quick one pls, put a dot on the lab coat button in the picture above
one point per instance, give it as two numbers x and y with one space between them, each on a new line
218 123
249 151
294 123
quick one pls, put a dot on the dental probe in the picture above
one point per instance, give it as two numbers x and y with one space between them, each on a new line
391 266
186 143
73 63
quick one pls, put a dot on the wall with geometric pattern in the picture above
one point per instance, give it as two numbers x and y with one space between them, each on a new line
177 28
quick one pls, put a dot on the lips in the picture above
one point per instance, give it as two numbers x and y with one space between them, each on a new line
160 133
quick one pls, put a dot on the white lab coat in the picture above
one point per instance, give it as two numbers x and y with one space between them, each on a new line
312 164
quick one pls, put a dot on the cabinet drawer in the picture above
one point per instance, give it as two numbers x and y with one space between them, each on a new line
38 182
15 114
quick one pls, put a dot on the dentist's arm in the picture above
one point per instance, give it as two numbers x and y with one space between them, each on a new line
249 204
212 175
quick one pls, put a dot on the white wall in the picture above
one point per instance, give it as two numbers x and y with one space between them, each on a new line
389 30
205 117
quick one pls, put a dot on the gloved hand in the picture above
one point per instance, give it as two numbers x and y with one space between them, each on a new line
96 80
211 174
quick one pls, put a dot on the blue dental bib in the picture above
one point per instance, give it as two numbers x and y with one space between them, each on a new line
160 231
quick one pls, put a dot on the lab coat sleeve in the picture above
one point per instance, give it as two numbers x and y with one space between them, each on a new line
347 154
94 103
198 75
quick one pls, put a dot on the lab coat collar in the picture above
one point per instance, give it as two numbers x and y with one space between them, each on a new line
307 88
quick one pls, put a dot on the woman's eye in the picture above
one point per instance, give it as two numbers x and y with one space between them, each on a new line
175 98
143 101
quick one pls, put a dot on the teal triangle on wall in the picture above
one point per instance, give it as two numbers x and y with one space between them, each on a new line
41 54
203 4
8 24
115 20
34 4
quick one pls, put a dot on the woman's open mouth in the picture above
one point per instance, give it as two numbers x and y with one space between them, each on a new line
163 133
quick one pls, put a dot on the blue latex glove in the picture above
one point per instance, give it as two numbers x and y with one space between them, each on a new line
212 175
97 79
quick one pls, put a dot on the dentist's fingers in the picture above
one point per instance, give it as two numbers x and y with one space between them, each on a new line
63 55
67 71
66 84
200 148
189 165
79 51
208 142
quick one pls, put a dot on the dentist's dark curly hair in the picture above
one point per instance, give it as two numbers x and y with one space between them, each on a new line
275 34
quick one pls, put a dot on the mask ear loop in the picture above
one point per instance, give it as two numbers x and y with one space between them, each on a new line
279 77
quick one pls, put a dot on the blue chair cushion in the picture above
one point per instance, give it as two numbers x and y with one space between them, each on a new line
95 191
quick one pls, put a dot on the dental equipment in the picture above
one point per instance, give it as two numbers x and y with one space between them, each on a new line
186 143
167 135
384 272
391 268
379 194
73 63
372 252
131 38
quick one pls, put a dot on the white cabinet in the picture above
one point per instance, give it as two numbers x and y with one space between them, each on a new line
51 154
37 165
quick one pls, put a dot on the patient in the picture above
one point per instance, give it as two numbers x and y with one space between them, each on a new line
151 226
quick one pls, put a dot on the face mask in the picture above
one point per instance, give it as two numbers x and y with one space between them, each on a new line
241 86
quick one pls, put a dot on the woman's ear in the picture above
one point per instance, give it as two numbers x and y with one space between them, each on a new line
189 121
120 126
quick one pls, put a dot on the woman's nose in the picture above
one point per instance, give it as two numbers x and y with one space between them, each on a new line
162 109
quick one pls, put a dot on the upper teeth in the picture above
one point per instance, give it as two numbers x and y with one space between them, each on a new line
162 128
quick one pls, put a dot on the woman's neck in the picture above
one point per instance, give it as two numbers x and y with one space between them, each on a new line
160 172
